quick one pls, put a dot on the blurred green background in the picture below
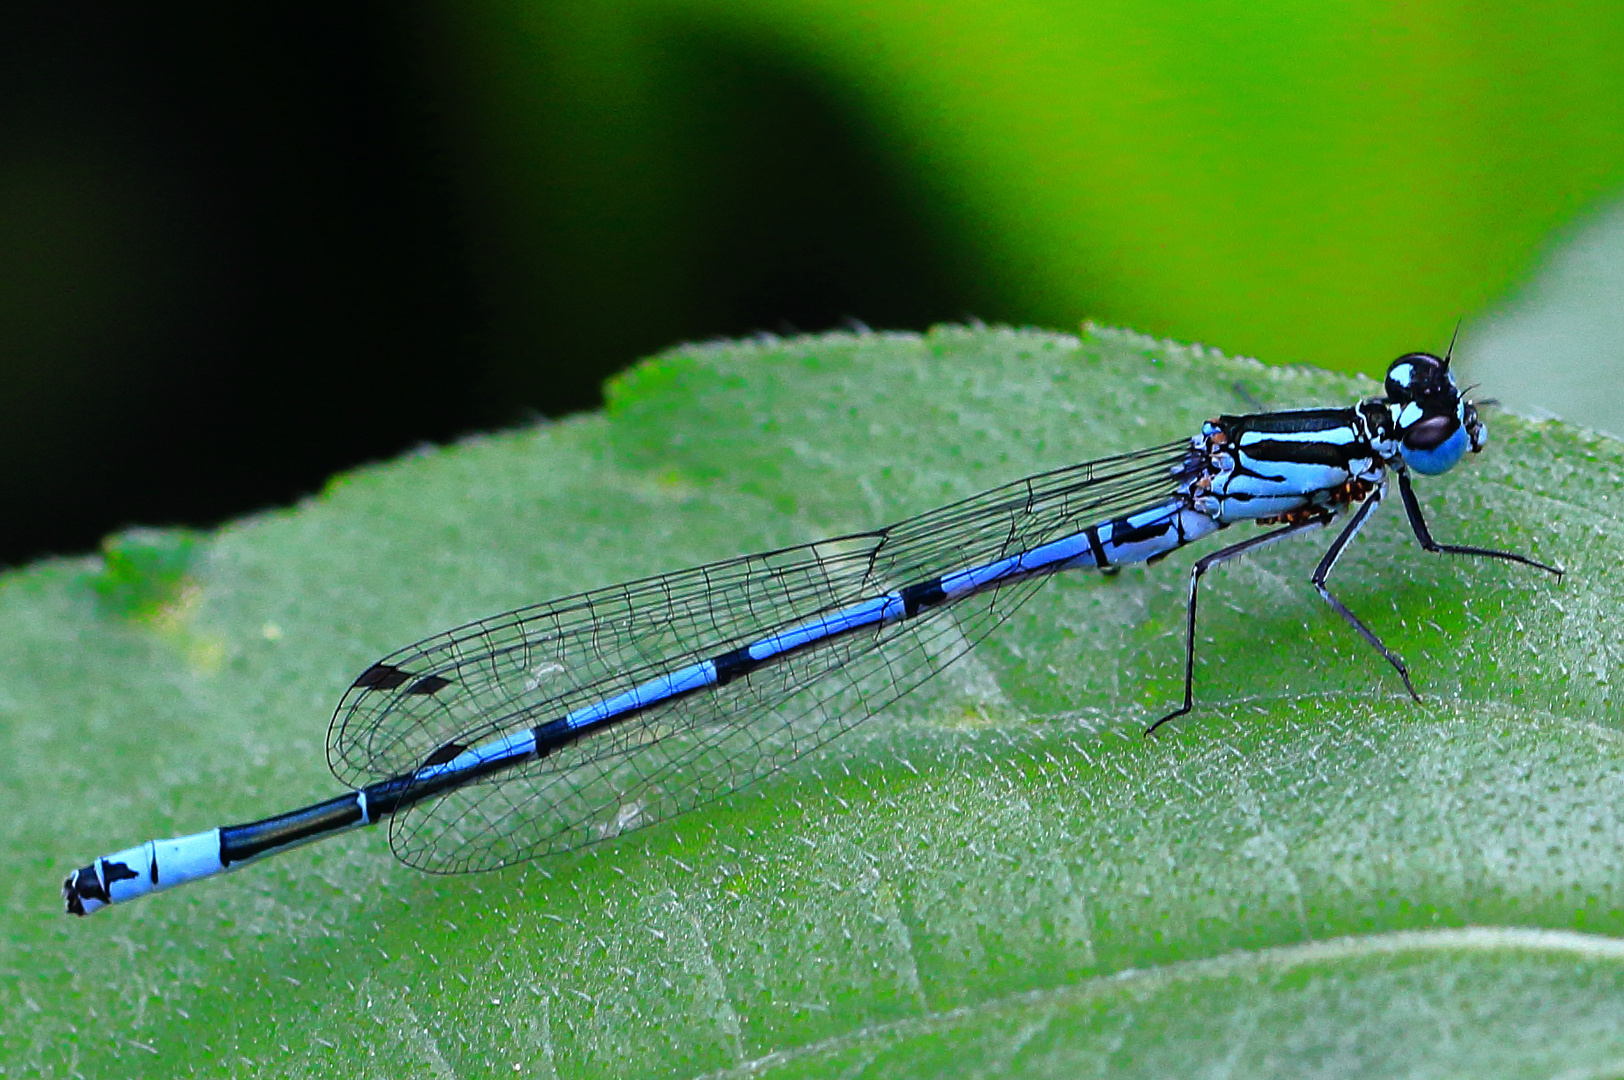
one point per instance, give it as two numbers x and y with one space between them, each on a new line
241 249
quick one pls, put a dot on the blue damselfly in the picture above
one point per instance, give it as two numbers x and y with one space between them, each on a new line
556 726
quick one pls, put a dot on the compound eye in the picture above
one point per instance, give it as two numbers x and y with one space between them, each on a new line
1412 374
1430 433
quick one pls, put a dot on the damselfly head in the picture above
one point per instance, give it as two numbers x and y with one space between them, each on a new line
1434 422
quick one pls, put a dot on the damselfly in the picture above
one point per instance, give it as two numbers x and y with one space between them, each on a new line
556 726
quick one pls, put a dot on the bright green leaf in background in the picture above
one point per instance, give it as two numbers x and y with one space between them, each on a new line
1335 183
1309 876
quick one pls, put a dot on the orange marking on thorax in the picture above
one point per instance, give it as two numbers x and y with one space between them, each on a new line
1345 494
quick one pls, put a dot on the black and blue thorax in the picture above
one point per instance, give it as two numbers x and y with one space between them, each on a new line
1280 466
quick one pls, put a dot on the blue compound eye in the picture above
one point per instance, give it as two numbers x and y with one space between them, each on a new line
1416 375
1429 434
1434 445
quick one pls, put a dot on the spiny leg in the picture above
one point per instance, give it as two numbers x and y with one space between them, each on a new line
1323 571
1201 566
1423 535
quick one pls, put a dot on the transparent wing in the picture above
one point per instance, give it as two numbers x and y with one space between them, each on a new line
515 671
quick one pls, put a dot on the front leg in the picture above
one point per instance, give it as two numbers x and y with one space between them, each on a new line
1423 535
1323 571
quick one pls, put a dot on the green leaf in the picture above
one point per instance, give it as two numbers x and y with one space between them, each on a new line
999 875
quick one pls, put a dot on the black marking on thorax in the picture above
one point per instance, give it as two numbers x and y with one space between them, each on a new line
1378 420
1287 422
1261 450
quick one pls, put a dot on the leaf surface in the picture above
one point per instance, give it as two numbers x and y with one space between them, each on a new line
1310 875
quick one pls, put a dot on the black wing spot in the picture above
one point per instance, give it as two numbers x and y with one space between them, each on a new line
446 753
380 677
428 684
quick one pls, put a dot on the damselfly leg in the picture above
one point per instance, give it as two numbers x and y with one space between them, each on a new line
1202 565
1423 535
1323 571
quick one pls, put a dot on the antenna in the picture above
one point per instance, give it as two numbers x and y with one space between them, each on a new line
1452 338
